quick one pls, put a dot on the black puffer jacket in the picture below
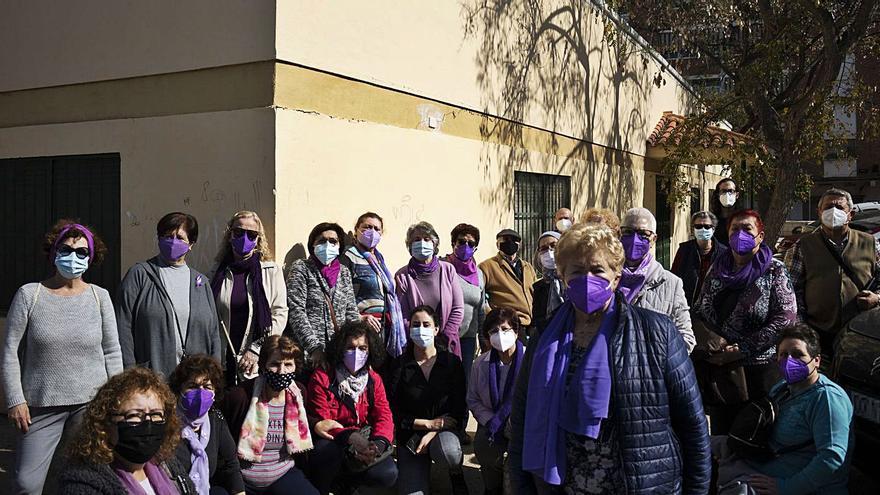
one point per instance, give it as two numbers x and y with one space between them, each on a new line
99 479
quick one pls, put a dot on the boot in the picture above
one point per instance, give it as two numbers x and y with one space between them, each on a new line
459 486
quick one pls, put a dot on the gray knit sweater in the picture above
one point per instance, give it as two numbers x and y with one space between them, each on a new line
59 349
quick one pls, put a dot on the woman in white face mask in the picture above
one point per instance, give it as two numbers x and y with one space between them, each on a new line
549 292
724 204
61 344
426 388
490 393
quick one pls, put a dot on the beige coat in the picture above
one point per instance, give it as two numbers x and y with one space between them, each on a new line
276 292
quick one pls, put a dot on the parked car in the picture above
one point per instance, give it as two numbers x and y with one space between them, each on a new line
866 220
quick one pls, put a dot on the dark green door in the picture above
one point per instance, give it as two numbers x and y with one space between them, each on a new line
664 227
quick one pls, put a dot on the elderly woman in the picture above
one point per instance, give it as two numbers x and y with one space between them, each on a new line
465 240
490 394
60 346
354 418
602 216
127 440
165 309
427 281
549 291
746 299
607 394
694 257
267 417
207 449
373 284
250 294
319 294
644 282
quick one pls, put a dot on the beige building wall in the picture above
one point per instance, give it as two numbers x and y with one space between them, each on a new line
209 164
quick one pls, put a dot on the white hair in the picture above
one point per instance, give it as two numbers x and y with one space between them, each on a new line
634 215
837 193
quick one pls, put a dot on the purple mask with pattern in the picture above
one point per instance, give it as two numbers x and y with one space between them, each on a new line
589 293
172 248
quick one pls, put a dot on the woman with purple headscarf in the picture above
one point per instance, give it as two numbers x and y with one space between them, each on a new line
746 299
60 346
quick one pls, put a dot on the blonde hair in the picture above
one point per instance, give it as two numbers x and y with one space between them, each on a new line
606 217
262 240
583 240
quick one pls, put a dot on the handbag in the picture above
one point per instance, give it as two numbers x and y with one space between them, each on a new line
749 435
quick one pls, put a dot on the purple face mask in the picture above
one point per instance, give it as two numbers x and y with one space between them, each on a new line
196 402
242 245
635 247
354 359
793 370
589 293
369 238
742 242
464 252
172 248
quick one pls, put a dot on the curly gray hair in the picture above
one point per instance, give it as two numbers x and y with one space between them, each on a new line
421 229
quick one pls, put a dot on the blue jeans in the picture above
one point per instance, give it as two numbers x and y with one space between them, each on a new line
468 349
293 481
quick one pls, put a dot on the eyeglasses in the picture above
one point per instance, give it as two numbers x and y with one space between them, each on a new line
462 242
495 330
135 417
81 252
544 249
727 191
327 241
703 227
238 232
643 233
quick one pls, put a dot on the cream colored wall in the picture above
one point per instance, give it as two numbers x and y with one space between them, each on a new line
332 169
208 164
604 95
51 42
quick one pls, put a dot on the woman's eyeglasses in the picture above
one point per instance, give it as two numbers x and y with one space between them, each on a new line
703 227
643 233
252 234
135 417
462 242
81 252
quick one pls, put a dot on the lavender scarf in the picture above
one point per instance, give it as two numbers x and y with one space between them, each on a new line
466 269
160 482
416 268
200 472
632 280
396 338
552 408
502 403
726 271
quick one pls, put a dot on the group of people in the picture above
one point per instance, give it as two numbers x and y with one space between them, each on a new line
586 369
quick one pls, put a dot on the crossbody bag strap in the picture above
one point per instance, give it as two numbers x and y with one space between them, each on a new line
158 283
332 310
846 268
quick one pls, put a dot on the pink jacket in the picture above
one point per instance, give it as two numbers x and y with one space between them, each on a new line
451 301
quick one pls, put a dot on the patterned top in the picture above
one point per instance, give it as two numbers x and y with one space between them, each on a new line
592 466
275 461
761 310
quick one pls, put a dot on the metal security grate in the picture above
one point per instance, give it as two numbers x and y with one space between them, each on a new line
536 198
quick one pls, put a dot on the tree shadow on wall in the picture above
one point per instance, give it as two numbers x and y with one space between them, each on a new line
563 68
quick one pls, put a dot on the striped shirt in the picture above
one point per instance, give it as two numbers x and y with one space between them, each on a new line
275 461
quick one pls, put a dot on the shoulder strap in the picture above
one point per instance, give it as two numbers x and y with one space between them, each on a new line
34 302
97 299
846 269
332 310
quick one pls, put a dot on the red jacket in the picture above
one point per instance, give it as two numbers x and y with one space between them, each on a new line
324 403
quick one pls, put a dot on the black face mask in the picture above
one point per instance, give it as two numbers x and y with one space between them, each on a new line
280 381
139 442
509 247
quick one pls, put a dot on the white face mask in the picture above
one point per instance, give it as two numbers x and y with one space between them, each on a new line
422 336
727 199
834 218
563 224
503 340
548 260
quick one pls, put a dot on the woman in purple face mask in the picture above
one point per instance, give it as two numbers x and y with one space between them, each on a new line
811 434
355 427
251 296
747 297
207 450
165 309
607 393
465 241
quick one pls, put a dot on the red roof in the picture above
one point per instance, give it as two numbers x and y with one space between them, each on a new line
666 133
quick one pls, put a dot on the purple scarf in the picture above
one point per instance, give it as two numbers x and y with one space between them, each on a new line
725 268
466 269
329 272
552 409
200 472
262 312
417 268
396 338
501 404
160 482
632 280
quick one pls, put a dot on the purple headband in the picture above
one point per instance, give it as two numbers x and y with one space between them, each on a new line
85 232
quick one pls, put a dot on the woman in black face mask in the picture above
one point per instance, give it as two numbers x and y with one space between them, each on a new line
267 418
127 440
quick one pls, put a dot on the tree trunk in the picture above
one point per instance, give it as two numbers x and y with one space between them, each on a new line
782 198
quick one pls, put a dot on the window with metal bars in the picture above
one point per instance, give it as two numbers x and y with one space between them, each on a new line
37 192
536 198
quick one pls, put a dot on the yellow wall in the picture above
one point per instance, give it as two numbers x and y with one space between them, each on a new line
208 164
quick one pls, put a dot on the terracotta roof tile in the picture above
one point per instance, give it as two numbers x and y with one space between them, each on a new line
666 133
